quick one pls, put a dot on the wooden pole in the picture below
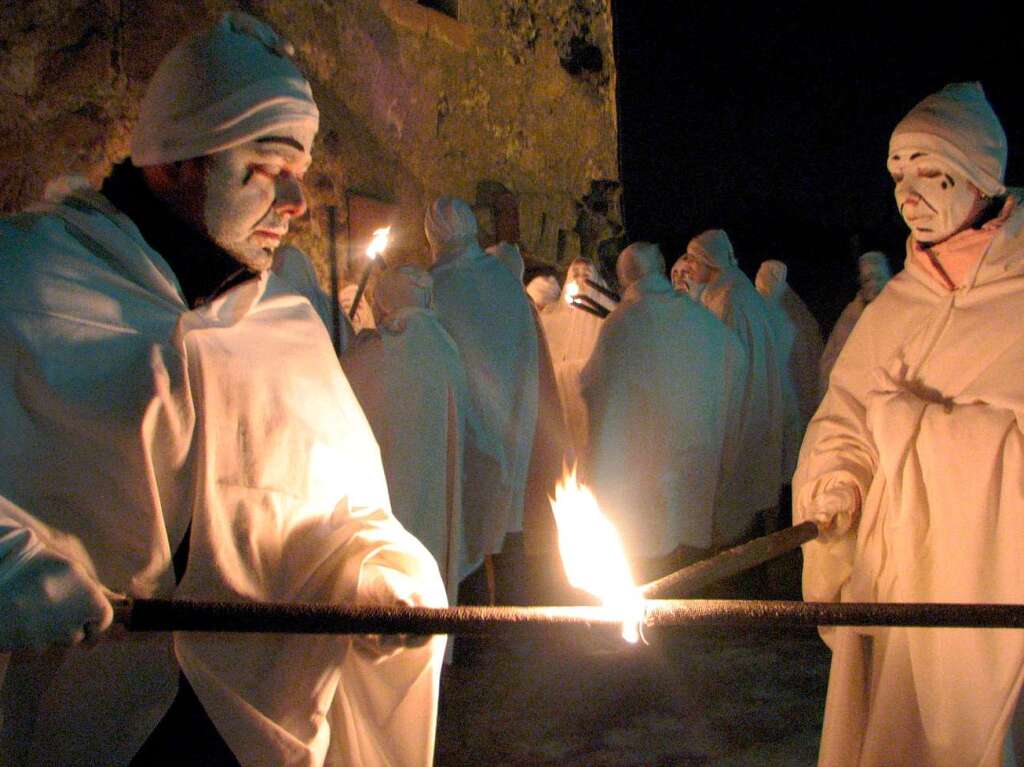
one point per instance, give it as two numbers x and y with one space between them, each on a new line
730 562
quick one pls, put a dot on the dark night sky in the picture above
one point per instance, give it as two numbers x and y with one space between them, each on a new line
773 123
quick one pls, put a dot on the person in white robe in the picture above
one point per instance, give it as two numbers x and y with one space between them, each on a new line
913 466
799 350
485 310
713 277
409 379
543 290
873 273
658 389
183 429
572 333
295 268
509 254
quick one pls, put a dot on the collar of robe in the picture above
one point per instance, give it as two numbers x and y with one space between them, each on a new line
203 269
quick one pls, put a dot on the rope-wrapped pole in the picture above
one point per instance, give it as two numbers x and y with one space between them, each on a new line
730 562
171 615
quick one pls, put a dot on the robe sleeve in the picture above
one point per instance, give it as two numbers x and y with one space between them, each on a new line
838 450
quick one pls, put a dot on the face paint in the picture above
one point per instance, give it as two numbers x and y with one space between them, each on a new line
252 193
934 199
693 269
679 276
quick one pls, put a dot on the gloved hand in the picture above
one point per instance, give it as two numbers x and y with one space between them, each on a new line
834 510
46 600
387 587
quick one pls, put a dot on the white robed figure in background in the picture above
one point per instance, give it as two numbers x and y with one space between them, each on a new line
913 467
659 388
485 310
295 268
543 290
163 386
712 276
572 334
409 379
799 350
873 273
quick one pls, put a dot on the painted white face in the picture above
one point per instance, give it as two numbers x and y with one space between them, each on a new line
678 275
253 191
693 270
935 200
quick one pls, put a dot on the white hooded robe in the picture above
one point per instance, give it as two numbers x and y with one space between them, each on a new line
922 416
658 388
133 417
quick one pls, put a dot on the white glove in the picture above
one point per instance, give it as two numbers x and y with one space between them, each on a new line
387 587
834 510
47 600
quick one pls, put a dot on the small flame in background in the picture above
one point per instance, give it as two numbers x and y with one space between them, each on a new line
571 291
592 554
379 242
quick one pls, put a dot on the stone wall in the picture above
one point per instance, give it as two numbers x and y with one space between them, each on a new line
510 104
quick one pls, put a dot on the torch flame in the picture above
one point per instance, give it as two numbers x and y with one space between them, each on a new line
379 242
592 554
571 291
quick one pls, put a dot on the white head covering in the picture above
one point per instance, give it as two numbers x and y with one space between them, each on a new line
714 248
958 124
406 286
508 253
875 259
637 261
221 88
543 290
449 225
771 278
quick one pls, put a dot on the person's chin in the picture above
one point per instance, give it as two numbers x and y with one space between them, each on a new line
256 258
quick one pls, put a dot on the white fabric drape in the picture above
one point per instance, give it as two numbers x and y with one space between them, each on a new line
485 310
409 379
922 418
135 416
757 452
659 388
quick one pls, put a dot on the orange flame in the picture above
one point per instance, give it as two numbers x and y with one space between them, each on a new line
378 243
592 554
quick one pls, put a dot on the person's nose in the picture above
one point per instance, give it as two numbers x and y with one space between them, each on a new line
906 192
289 197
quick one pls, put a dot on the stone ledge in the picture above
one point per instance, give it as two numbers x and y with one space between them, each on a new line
418 18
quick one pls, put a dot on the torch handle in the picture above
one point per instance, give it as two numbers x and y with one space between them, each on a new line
260 617
584 307
606 292
730 562
359 290
587 300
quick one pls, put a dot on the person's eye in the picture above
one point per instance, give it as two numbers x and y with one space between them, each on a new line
929 173
267 169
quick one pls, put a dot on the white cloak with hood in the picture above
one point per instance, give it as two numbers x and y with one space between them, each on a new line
659 388
126 416
485 310
923 417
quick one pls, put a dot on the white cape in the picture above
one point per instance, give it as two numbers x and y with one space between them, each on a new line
571 334
485 310
756 454
658 388
133 416
798 347
922 415
409 379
